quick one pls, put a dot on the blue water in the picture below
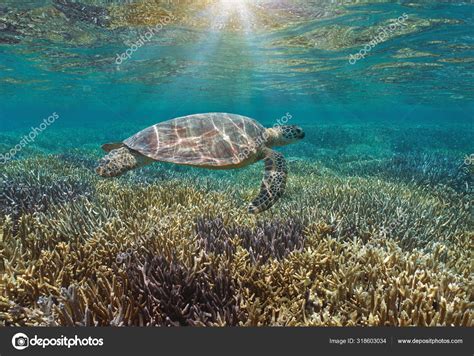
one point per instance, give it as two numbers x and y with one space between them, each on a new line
185 70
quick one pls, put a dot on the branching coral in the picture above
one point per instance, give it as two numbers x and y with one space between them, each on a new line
424 169
77 160
36 192
172 294
174 246
267 240
335 283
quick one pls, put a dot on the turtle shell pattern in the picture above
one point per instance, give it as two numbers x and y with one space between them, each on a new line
214 139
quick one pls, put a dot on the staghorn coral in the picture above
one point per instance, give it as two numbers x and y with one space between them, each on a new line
172 294
421 168
267 240
344 247
335 283
429 169
328 282
35 191
384 286
77 160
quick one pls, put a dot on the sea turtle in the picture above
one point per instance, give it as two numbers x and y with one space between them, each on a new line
213 140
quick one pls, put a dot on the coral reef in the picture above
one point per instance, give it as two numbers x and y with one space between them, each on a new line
172 294
267 240
362 237
26 192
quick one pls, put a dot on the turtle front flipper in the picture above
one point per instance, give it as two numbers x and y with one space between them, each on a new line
273 184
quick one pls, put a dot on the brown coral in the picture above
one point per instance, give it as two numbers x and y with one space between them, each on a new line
168 246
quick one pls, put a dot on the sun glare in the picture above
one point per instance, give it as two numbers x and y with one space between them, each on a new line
236 12
234 5
234 2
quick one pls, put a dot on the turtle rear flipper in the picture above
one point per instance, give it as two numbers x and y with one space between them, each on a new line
273 184
120 161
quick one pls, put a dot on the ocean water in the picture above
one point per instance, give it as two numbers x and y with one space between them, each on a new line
262 67
384 91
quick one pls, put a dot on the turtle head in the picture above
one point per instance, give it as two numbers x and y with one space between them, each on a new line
292 133
285 135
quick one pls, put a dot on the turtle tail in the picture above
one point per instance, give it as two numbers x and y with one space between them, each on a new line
119 161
